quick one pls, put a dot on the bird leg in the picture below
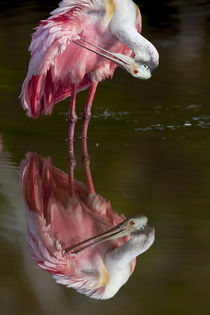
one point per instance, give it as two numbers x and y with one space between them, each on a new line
86 167
71 166
87 108
72 117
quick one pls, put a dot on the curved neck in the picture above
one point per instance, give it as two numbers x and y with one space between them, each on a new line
123 23
118 262
124 254
118 267
137 43
123 26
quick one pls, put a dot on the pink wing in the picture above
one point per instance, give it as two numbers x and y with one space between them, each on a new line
56 221
52 66
57 63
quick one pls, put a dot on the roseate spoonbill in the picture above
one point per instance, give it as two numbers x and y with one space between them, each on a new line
74 233
80 45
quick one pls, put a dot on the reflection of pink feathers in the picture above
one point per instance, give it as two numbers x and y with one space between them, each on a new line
57 62
55 221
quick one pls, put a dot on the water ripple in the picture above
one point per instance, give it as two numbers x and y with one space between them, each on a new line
110 114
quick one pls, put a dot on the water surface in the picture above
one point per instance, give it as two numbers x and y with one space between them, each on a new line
149 144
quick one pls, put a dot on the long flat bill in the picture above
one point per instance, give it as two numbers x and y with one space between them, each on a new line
118 231
119 59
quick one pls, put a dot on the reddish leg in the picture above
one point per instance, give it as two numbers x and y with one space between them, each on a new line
71 166
72 117
86 167
87 108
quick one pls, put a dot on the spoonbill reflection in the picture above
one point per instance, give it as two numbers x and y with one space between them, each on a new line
80 45
74 233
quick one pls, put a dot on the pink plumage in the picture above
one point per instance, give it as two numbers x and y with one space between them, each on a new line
58 65
57 220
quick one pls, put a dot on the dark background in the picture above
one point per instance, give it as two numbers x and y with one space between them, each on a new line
149 146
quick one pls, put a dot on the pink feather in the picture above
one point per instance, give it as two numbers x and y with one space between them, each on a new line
57 63
56 220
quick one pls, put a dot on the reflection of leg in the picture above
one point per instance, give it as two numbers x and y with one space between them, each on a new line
72 117
71 166
87 108
86 167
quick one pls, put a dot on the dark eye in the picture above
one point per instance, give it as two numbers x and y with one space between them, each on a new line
136 71
145 67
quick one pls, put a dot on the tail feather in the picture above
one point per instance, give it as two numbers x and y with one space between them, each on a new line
40 93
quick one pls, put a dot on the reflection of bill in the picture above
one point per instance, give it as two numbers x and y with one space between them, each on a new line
74 233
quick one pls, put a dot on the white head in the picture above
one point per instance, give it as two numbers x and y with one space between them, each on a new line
142 234
146 59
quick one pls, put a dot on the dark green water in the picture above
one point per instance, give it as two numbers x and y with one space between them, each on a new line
149 145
